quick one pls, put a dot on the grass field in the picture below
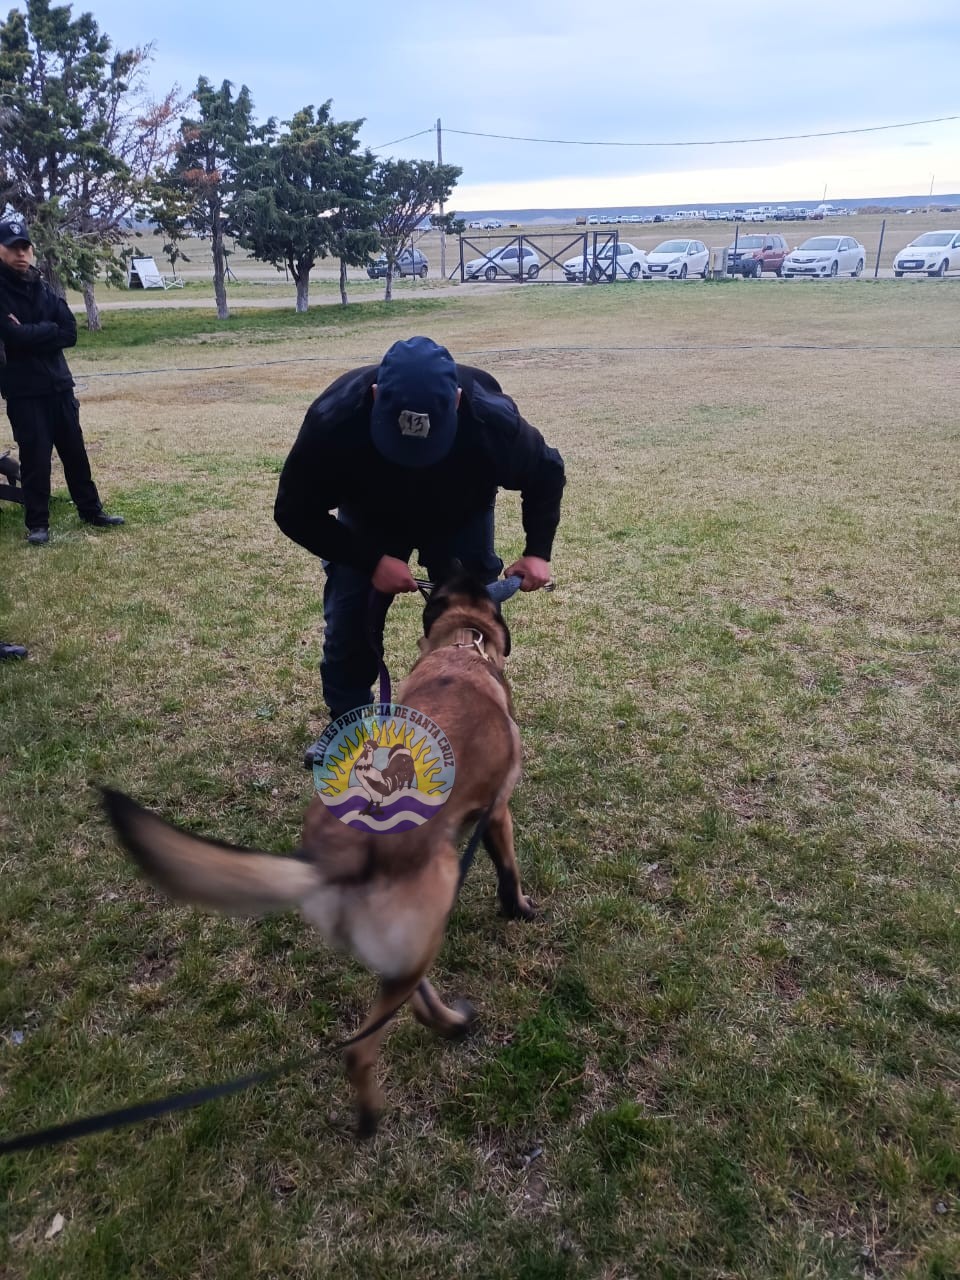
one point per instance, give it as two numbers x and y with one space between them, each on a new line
730 1045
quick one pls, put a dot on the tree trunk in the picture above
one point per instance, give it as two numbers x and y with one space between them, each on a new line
388 291
219 272
48 268
93 311
343 282
303 291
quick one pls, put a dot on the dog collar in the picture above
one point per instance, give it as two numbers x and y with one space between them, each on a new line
470 638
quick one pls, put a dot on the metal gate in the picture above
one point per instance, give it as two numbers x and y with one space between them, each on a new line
523 258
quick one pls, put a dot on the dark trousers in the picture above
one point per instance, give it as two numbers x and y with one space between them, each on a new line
41 425
355 615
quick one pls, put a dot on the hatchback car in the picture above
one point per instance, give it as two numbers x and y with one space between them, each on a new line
410 262
631 263
826 256
678 259
752 255
504 261
935 253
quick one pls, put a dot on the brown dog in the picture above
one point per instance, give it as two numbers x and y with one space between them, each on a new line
383 897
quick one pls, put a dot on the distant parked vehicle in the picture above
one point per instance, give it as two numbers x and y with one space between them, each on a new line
678 259
504 262
753 255
492 224
631 263
934 254
410 262
826 256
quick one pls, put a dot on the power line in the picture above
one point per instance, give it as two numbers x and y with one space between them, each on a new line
406 139
705 142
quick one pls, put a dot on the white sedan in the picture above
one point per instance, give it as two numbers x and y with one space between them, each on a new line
935 252
503 262
678 259
631 263
826 256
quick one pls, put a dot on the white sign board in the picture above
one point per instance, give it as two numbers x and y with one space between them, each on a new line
146 272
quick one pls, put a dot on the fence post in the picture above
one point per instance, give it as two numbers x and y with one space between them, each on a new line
876 269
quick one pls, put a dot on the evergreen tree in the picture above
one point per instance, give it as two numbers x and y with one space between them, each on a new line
405 192
78 140
201 189
306 196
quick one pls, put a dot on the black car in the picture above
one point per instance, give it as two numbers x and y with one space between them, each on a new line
411 262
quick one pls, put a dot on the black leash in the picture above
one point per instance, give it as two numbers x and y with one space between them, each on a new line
123 1116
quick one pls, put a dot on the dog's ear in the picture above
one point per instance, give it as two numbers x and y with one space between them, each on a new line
438 603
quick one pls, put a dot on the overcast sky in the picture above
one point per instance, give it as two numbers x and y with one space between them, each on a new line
547 69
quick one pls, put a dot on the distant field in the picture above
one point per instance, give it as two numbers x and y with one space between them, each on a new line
900 229
729 1047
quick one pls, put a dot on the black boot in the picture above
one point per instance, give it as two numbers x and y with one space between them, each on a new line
102 521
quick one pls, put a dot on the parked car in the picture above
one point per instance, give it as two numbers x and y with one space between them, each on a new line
410 262
504 261
935 252
678 259
752 255
492 224
826 256
631 263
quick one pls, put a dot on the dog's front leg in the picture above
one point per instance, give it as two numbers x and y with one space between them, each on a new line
498 842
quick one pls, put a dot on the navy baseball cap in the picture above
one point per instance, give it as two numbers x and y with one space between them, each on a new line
413 422
14 231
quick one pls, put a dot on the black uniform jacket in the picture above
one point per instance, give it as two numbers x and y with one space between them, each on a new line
35 363
333 464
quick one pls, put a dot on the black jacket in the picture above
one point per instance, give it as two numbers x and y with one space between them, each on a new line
334 464
35 363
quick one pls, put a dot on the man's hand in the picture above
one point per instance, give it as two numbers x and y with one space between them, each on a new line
392 576
534 572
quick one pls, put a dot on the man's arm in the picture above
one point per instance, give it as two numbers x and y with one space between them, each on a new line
522 460
306 496
537 471
55 334
42 335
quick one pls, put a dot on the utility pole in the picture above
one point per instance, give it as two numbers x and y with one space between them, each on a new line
443 234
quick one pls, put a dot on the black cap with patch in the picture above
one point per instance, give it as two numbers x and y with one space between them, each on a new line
14 231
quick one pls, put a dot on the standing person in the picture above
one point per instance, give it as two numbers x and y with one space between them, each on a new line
35 381
411 453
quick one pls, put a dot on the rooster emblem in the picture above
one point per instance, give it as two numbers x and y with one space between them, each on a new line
380 784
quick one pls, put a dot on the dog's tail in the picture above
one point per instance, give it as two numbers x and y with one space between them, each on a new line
239 881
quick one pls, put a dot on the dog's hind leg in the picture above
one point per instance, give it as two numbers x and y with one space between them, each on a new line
498 842
361 1059
449 1021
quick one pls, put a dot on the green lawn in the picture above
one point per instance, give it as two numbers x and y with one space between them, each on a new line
730 1044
